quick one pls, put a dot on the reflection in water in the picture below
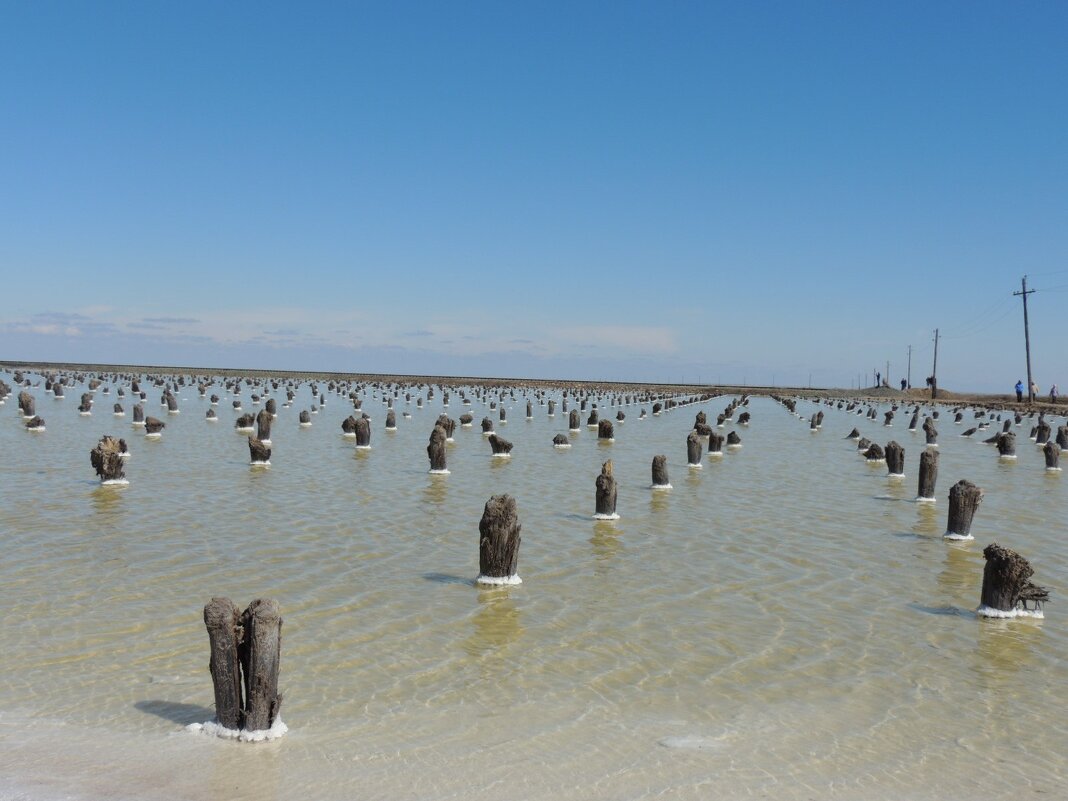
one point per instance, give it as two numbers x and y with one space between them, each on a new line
436 489
961 577
606 543
927 521
1005 650
659 500
107 502
496 624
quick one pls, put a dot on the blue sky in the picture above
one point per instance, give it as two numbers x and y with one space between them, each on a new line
736 192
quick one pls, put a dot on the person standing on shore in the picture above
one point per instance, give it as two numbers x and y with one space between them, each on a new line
1053 394
1019 391
1034 388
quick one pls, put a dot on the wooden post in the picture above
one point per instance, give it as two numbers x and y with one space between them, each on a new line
964 499
1007 589
500 446
930 431
499 540
391 420
573 420
263 426
606 493
363 433
1042 432
1052 452
605 430
660 473
258 452
224 634
466 420
1062 436
1006 444
561 441
733 440
895 459
875 453
715 443
487 426
153 427
305 417
593 419
552 408
928 475
260 655
853 435
106 459
888 419
693 449
915 419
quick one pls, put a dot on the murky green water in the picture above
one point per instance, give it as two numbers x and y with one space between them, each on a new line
786 622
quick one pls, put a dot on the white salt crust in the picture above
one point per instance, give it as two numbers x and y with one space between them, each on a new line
499 581
260 464
921 499
565 446
439 472
612 516
115 482
661 487
952 535
157 435
989 611
212 728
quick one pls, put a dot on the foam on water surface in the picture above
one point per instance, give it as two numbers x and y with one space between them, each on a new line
499 581
439 472
613 516
989 611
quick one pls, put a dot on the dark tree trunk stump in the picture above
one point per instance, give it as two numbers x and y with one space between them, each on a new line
500 446
964 499
928 475
693 449
733 440
1042 433
605 430
573 420
258 452
391 420
874 453
561 441
606 493
225 634
154 426
363 433
660 473
263 425
715 443
487 425
1007 589
260 656
1005 442
1052 452
853 435
106 459
499 540
895 459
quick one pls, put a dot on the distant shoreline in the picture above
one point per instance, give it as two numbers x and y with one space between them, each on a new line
876 394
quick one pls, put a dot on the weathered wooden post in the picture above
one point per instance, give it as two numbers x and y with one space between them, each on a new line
964 499
224 635
260 656
592 420
499 540
915 419
500 446
895 459
1006 445
85 408
503 414
117 410
605 431
106 459
363 433
259 453
57 389
530 410
715 444
35 423
875 453
138 415
210 416
466 420
1042 432
660 472
928 475
305 418
391 420
448 424
172 402
1052 452
487 426
561 441
271 407
853 435
693 450
931 433
733 440
573 420
436 451
606 494
153 427
263 426
552 408
1007 589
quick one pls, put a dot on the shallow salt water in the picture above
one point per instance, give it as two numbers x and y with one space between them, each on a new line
785 622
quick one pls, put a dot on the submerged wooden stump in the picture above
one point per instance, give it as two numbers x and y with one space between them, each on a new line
854 435
260 657
552 408
1042 433
1052 452
560 441
487 425
606 492
305 417
573 420
1007 589
928 475
106 459
225 634
715 443
246 421
660 471
605 430
117 409
964 499
154 426
693 449
499 540
258 452
500 446
348 425
1005 442
363 433
874 453
138 413
930 431
593 418
915 419
466 419
448 424
895 459
263 425
733 439
35 423
391 420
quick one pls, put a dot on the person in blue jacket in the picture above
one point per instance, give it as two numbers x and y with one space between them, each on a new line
1019 391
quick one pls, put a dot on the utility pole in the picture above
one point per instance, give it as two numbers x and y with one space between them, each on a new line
934 370
1024 292
886 375
908 375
